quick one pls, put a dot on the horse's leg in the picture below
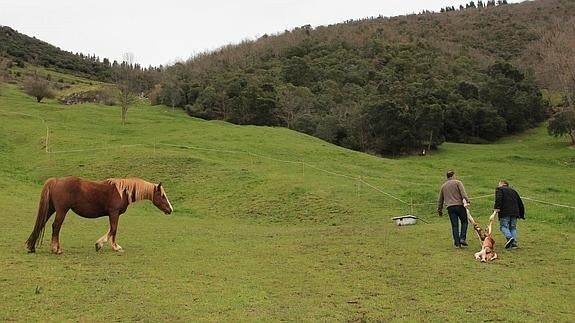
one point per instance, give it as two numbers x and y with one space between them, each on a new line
60 216
112 233
102 240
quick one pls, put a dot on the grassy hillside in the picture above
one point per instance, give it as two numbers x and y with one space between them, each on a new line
270 224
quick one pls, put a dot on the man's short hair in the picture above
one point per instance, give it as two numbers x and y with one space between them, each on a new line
504 182
450 174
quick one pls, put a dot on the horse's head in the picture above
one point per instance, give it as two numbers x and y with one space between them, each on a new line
160 199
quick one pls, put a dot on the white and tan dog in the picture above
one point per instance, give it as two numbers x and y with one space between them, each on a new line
487 252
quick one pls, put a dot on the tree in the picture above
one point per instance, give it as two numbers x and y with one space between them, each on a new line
298 72
563 123
396 129
126 84
4 66
207 105
294 102
38 88
557 51
171 93
516 98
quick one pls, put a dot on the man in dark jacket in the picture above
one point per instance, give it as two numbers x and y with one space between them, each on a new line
509 207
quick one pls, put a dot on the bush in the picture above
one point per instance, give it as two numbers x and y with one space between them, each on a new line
38 88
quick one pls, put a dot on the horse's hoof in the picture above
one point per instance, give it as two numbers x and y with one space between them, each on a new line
31 250
57 252
98 247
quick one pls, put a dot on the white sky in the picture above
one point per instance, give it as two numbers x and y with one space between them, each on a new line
160 32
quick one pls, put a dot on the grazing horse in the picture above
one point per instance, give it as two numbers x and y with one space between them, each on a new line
92 199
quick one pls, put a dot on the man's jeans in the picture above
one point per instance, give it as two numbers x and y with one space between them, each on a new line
508 226
458 213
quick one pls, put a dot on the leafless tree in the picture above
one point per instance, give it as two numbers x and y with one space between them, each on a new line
293 102
38 87
172 91
4 65
127 84
556 50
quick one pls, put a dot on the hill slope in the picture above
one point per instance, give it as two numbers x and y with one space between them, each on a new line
25 49
380 85
271 224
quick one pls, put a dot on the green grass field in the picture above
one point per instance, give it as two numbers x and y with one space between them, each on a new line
273 225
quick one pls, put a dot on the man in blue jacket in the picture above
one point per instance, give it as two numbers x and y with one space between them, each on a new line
509 207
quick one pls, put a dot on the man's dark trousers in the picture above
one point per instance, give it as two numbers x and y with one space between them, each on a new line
458 213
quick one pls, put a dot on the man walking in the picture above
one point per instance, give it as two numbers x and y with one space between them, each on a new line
509 207
452 194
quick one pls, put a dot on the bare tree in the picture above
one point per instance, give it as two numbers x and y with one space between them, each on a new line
126 84
557 51
4 65
38 87
172 91
293 102
556 48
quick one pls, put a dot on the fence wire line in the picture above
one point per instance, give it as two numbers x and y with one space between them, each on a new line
257 155
290 162
95 149
377 189
200 148
237 152
549 203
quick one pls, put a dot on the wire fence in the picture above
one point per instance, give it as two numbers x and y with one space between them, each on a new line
353 177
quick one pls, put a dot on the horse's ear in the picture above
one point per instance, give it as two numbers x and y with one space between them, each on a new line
159 186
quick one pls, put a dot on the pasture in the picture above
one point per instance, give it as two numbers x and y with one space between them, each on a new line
271 225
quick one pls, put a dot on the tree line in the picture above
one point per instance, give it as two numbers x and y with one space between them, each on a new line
471 5
382 98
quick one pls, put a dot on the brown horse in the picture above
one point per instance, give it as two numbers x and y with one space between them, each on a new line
92 199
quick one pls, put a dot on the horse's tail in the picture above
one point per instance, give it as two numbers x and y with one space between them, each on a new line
44 212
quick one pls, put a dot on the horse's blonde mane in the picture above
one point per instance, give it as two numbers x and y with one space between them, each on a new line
139 188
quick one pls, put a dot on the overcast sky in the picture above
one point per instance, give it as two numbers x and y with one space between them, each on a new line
160 32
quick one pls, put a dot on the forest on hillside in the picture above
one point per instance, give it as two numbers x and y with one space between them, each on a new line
383 85
22 50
